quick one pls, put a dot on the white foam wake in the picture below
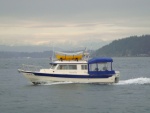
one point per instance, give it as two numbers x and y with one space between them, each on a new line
56 83
141 80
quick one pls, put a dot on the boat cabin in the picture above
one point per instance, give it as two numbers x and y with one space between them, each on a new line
100 66
70 67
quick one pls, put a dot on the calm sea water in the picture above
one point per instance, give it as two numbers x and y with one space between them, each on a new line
130 95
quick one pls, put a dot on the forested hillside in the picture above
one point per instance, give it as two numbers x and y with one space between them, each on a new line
131 46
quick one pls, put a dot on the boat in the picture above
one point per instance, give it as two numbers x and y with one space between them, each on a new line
73 67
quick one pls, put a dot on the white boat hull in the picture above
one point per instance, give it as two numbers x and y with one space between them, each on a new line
44 79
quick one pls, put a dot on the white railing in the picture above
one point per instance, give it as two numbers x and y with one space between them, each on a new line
32 68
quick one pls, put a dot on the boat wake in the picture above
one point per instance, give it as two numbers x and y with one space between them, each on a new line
141 80
134 81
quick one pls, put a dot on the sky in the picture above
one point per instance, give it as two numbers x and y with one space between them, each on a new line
67 23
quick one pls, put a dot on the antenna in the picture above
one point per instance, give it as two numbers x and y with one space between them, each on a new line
53 53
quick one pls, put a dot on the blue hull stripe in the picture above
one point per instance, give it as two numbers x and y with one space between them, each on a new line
71 76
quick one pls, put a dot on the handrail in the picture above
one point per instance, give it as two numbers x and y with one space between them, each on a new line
32 68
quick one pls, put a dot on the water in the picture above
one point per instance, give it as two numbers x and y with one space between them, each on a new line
130 95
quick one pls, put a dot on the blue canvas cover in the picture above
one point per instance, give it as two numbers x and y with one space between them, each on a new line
97 60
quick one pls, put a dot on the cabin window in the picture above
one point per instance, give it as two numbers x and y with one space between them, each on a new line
72 67
104 66
93 67
84 67
67 67
62 67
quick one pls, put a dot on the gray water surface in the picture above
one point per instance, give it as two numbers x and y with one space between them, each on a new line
130 95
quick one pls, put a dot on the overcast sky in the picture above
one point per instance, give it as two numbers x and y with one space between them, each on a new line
72 22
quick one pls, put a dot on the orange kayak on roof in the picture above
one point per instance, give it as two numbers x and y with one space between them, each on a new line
68 56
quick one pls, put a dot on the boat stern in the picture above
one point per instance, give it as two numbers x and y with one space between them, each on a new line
117 75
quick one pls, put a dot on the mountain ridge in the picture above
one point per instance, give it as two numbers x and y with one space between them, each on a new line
133 46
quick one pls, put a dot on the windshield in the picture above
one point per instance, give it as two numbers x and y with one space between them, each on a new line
53 66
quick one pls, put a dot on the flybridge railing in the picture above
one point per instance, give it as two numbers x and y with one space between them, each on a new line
31 68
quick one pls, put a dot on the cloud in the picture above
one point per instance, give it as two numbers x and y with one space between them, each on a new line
71 22
46 33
